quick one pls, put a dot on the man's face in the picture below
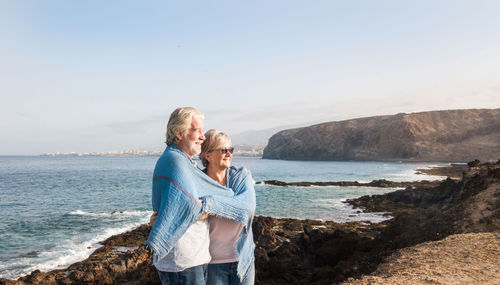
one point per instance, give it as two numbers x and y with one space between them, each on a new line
190 141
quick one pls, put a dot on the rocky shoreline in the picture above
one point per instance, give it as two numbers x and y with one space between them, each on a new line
291 251
452 171
374 183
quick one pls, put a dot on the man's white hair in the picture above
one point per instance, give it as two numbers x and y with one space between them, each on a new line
179 122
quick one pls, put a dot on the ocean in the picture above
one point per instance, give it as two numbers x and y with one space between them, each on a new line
55 210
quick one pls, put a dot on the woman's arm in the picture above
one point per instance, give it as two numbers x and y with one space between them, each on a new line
241 206
153 217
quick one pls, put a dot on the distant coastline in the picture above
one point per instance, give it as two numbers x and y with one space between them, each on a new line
110 153
240 150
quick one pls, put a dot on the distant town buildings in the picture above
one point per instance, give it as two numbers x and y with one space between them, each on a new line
240 150
134 152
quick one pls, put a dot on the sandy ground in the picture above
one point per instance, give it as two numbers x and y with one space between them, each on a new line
458 259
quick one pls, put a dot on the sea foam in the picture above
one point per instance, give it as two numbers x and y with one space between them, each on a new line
71 250
113 213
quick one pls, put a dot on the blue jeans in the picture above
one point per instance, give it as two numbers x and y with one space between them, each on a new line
196 275
226 274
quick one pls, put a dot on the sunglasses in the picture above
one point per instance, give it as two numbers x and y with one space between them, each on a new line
224 150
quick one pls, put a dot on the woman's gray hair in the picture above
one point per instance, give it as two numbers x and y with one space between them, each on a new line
213 140
179 122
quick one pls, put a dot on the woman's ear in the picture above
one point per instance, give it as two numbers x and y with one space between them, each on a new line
208 156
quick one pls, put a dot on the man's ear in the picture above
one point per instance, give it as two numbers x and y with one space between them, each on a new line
178 135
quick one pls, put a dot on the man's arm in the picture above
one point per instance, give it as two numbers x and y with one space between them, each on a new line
154 216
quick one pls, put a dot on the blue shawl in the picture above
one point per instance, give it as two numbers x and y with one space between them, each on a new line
177 187
241 182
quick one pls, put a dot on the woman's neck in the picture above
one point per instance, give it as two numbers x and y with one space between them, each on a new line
219 175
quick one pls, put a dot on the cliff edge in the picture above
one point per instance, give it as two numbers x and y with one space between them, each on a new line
453 135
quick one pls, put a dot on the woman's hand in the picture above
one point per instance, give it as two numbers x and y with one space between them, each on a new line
204 216
153 217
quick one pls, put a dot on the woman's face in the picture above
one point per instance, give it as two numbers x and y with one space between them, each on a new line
220 158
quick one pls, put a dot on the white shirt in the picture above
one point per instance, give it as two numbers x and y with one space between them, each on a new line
192 249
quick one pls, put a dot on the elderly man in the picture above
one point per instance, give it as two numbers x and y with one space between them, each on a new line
179 238
187 261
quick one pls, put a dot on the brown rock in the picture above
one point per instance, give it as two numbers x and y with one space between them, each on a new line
453 135
474 163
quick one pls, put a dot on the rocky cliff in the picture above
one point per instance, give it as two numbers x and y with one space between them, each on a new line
454 135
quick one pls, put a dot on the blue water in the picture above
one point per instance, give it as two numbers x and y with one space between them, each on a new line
55 210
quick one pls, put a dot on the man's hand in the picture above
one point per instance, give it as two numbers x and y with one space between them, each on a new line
153 217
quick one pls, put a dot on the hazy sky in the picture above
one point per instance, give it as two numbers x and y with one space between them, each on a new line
105 75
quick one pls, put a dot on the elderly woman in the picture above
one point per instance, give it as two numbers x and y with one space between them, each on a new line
231 242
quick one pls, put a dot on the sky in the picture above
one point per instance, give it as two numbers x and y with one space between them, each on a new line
92 76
